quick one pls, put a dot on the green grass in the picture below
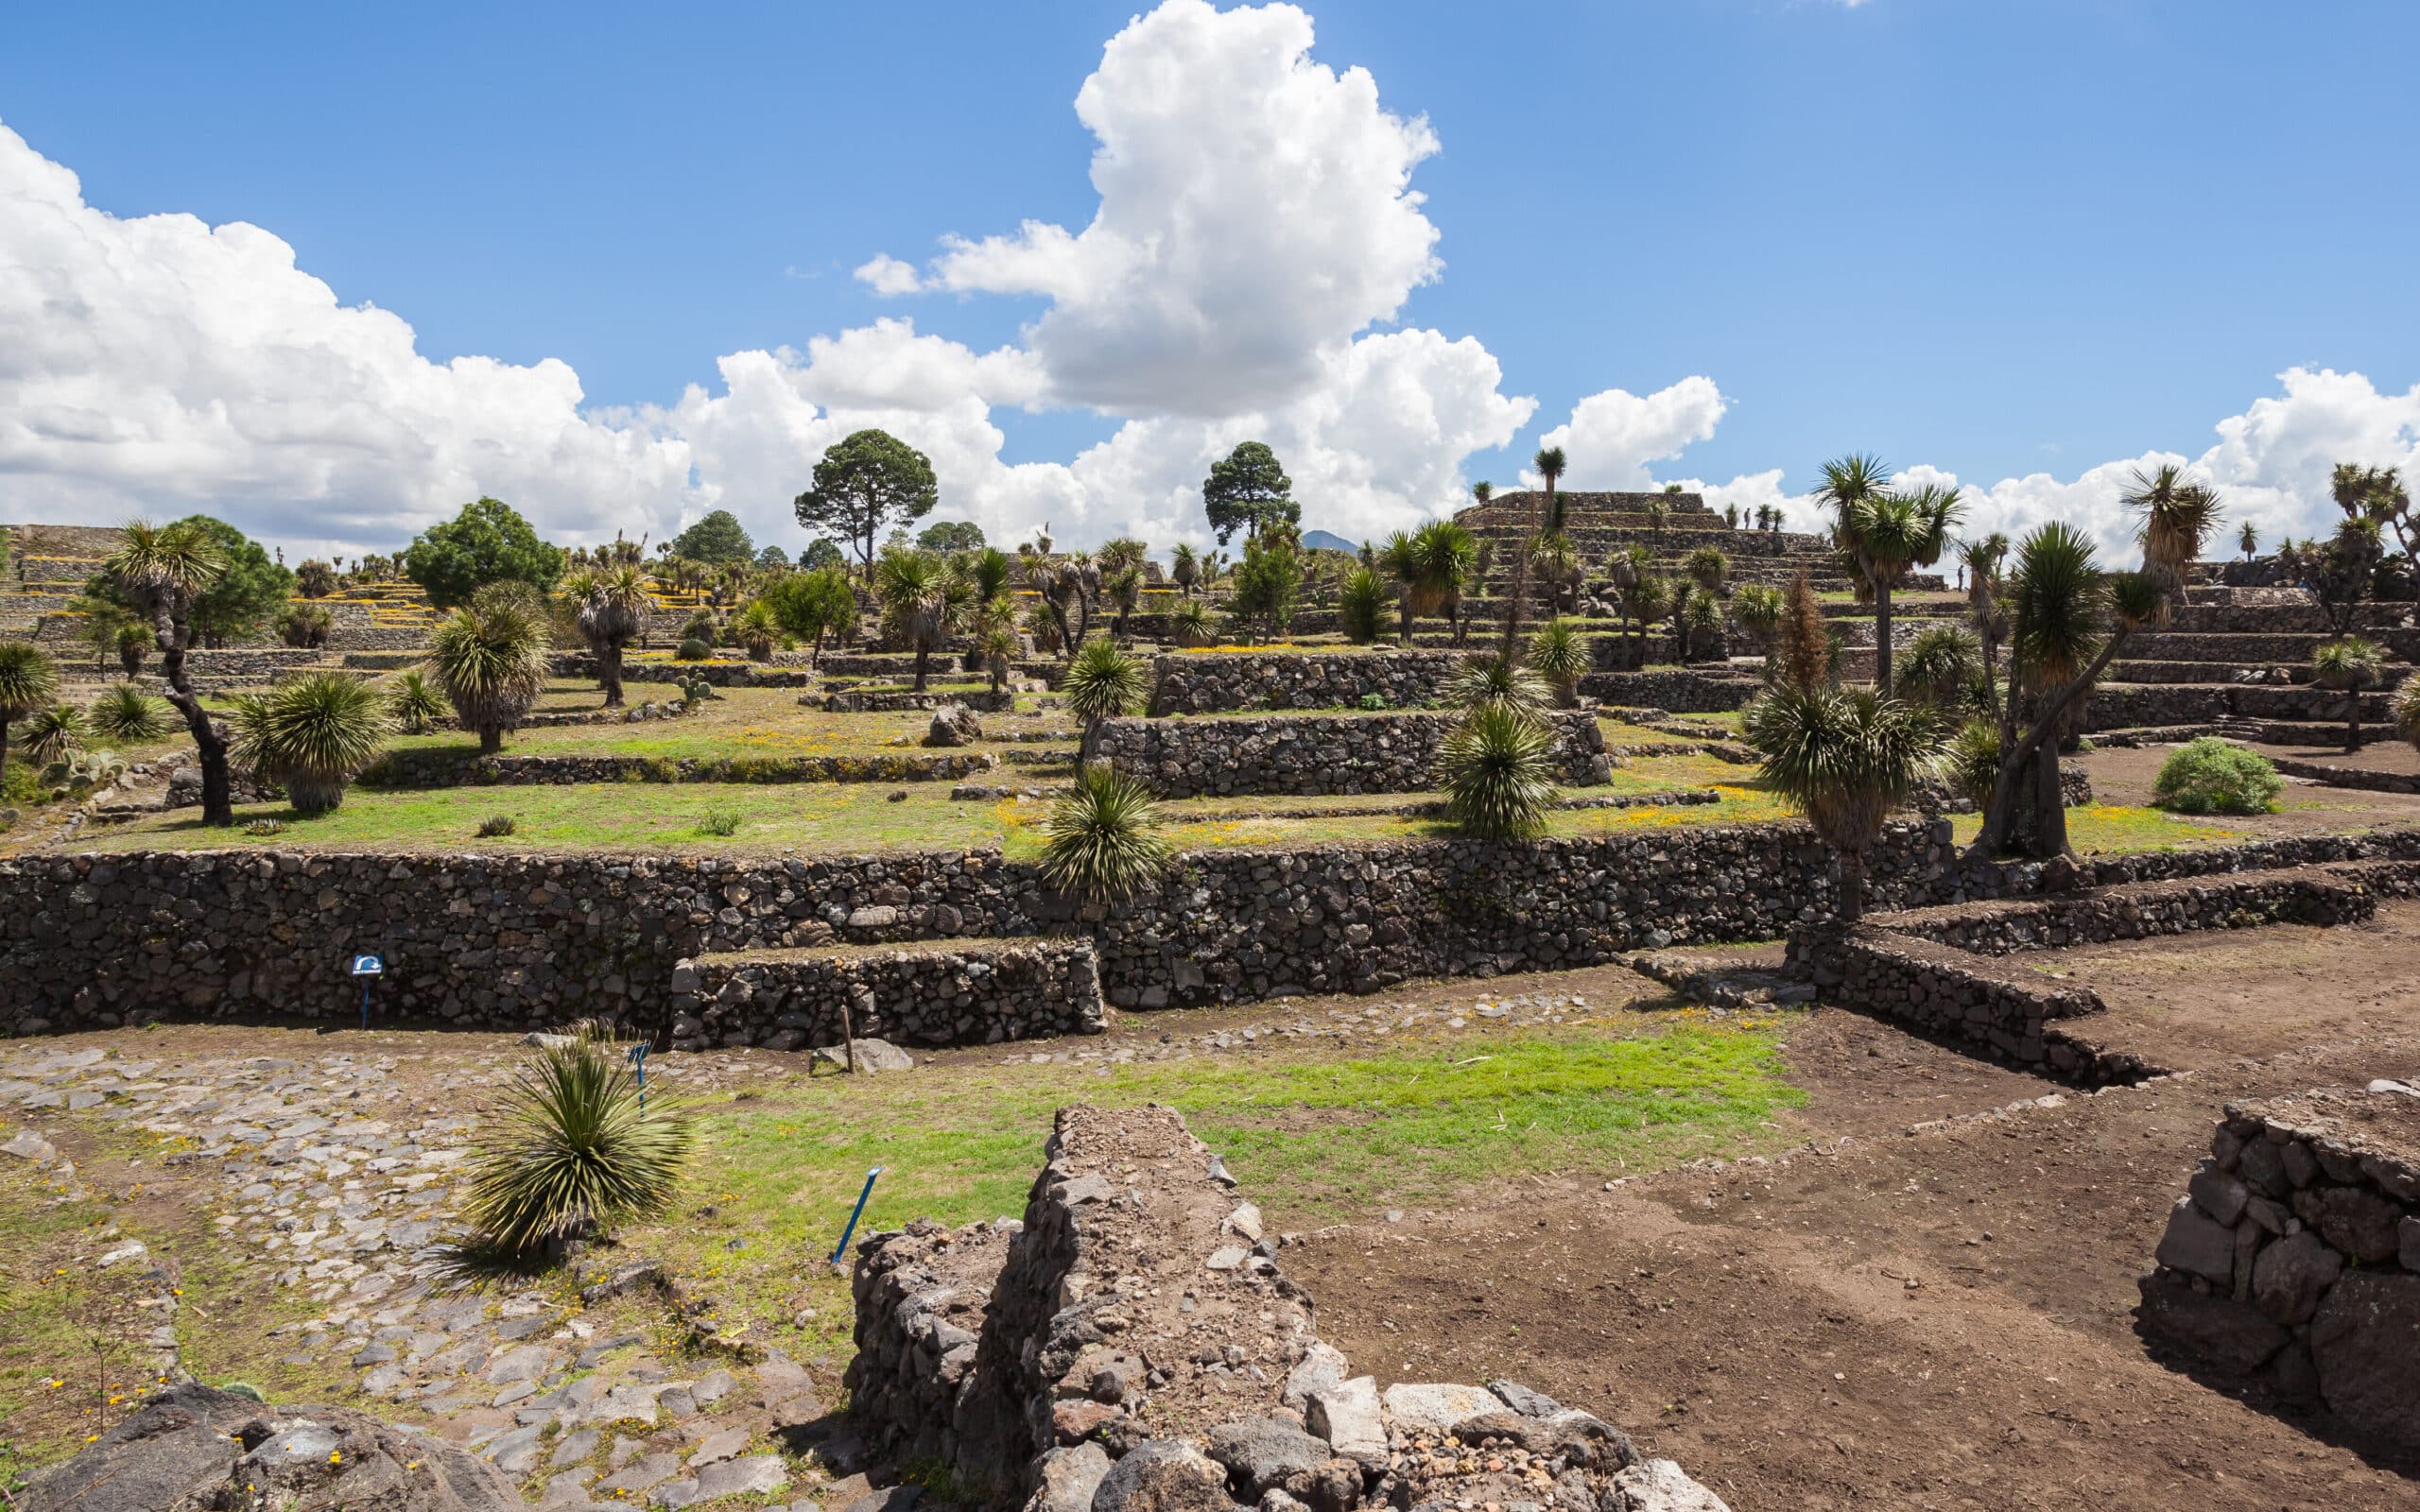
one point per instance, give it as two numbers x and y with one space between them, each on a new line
1312 1139
2109 828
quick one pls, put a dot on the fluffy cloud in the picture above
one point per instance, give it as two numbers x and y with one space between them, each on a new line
1256 213
1611 437
887 275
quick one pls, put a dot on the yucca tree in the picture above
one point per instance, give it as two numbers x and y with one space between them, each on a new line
757 629
1428 565
924 603
1185 570
1550 464
161 570
1361 605
1492 681
2067 621
1559 653
2405 711
1556 561
611 606
2247 536
127 714
1757 608
55 732
1701 624
490 664
2175 517
1886 534
575 1148
1942 667
1103 842
1845 756
28 682
312 735
2349 664
996 643
1708 568
1496 770
989 571
1102 683
414 704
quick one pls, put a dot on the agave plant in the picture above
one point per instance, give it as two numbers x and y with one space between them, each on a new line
492 664
413 704
1361 605
2347 665
54 732
1103 841
1491 682
126 713
1102 683
1558 654
1495 768
28 682
1846 756
574 1150
311 736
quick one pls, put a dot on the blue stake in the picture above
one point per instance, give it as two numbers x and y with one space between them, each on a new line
365 1002
638 1058
842 1247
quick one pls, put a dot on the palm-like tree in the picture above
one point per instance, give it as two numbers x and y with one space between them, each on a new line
1887 534
492 663
1846 756
995 640
756 627
2058 600
161 570
923 602
611 607
1431 564
2248 538
1361 605
2176 516
1551 465
1102 683
413 704
1185 570
2347 665
28 682
1104 841
1489 681
311 736
1559 653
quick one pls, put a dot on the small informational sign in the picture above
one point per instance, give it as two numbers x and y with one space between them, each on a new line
369 966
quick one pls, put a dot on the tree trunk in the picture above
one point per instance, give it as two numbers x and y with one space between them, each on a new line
609 673
1404 604
815 657
4 755
209 737
1882 639
922 650
490 739
1852 886
2049 804
2005 790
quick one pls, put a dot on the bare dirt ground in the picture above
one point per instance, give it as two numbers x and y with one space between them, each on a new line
1935 1318
2124 774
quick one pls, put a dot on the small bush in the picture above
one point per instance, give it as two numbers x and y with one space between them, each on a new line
720 822
1104 837
496 825
1362 606
572 1152
1374 700
692 649
2210 776
1495 772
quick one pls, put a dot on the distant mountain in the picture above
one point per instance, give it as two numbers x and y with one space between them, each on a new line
1328 541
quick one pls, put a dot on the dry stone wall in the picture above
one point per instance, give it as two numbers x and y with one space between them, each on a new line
1224 681
2293 1259
426 767
971 994
1318 754
1133 1344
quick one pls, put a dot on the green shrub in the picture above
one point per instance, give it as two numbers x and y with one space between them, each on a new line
495 825
1559 653
1374 700
126 713
723 822
1361 605
702 626
1971 765
414 703
311 736
1105 843
692 649
1495 768
573 1152
1491 680
2211 776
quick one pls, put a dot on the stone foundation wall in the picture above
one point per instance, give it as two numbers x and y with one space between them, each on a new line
2350 777
1952 995
1320 754
2291 1259
2141 910
980 994
1224 681
425 767
1681 692
1133 1343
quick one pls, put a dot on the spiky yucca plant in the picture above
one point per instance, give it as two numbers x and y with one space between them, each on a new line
1102 683
1495 772
572 1151
1192 624
126 713
2348 664
1942 666
414 705
1559 653
28 682
55 732
1103 839
1846 756
311 736
1492 681
2405 711
1361 605
1971 762
492 663
1757 607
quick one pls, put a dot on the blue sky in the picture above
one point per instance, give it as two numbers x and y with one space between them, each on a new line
1993 239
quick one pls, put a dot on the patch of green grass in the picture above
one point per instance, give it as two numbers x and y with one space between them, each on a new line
2109 828
1312 1139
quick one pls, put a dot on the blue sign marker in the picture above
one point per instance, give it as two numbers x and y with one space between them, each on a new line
842 1247
638 1058
368 968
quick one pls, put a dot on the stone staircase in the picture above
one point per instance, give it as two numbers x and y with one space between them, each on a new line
2238 660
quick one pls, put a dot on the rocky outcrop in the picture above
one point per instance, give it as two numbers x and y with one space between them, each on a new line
1133 1345
192 1448
2293 1258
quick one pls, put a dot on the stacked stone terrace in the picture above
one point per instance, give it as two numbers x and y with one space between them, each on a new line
2238 660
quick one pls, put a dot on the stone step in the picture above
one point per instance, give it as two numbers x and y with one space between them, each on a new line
930 993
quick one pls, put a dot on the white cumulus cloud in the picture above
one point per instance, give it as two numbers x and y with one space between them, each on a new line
888 275
1612 436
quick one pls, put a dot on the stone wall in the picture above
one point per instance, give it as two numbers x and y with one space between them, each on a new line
1220 681
2332 775
2291 1259
426 767
1680 691
1962 998
1320 753
2140 910
954 994
718 672
1132 1344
